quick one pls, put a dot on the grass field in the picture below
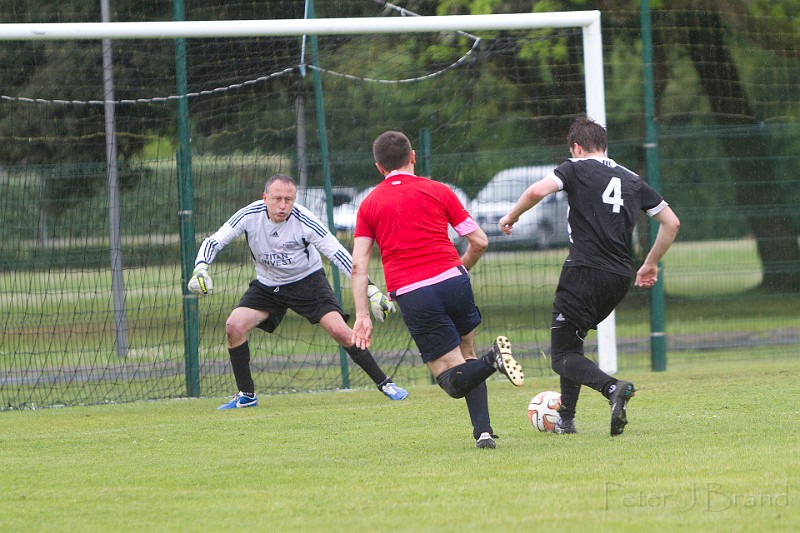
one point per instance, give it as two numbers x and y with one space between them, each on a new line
712 447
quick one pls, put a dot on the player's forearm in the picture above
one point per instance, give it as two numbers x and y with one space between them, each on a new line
359 285
359 279
667 231
528 199
660 246
522 205
477 243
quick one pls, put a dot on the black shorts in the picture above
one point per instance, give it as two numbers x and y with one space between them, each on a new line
586 296
311 297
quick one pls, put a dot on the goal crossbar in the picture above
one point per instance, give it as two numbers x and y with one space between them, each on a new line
285 27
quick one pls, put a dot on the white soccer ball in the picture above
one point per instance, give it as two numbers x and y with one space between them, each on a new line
543 410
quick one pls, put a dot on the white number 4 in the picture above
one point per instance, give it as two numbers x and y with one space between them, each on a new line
613 194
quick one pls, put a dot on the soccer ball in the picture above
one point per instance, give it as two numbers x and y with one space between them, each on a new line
543 410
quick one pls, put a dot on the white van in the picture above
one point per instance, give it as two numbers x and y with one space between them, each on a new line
544 226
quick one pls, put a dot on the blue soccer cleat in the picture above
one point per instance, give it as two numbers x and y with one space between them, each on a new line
240 400
392 391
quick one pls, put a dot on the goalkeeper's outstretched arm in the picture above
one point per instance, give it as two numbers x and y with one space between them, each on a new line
200 283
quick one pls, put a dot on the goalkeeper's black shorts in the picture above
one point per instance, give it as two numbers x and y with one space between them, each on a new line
311 297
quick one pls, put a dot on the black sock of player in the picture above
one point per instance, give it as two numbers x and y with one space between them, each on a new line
569 398
609 388
459 380
570 363
240 362
364 359
489 358
579 369
478 407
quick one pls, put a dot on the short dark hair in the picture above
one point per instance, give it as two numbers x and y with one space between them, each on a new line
279 177
392 150
590 135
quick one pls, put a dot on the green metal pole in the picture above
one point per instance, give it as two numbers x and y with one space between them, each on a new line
658 339
326 171
191 327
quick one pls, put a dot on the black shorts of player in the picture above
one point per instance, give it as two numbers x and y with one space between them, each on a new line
585 296
438 316
311 297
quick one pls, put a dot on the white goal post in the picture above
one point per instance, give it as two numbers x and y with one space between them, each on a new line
589 21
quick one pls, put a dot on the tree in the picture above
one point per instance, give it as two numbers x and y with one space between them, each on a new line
757 193
699 29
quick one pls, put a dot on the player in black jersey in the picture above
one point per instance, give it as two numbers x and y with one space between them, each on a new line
604 203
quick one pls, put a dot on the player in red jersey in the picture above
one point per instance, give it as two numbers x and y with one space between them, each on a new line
407 216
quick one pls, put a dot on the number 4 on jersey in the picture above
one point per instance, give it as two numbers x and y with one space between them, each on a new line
613 194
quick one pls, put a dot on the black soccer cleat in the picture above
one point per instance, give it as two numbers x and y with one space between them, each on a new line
564 427
486 441
623 392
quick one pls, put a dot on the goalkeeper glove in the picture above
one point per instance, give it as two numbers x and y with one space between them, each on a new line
379 303
200 282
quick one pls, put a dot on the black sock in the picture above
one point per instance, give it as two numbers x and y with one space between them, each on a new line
569 398
579 369
240 362
364 359
478 406
570 363
460 380
610 387
489 358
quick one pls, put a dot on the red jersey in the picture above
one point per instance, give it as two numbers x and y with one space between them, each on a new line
407 216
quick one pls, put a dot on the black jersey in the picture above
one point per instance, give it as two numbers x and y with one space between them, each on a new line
604 203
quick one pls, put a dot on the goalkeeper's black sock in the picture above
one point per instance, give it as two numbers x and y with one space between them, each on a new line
478 406
364 359
240 362
460 380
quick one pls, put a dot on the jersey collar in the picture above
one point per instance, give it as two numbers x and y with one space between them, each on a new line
394 173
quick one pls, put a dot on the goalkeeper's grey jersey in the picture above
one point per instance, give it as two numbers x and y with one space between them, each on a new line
284 252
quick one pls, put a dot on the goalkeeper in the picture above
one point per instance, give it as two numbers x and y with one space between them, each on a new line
285 240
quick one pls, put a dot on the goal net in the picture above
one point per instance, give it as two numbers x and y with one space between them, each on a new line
106 128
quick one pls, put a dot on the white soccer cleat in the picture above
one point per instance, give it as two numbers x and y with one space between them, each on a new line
505 362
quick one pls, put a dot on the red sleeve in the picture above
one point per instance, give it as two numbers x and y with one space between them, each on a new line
363 225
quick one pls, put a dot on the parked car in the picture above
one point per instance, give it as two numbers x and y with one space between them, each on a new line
544 226
344 216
